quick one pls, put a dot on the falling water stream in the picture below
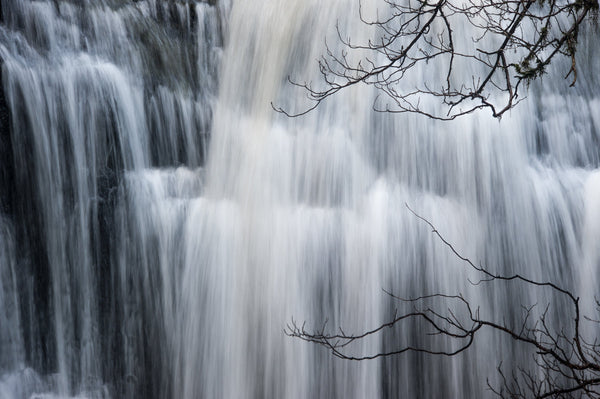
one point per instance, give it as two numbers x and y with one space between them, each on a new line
160 224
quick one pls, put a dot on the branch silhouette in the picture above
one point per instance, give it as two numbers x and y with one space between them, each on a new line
513 42
566 365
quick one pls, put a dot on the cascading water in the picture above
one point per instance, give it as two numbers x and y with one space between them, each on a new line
138 260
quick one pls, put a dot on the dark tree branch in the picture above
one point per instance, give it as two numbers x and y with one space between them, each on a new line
517 40
567 365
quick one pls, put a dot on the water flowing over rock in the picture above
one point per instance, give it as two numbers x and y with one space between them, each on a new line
160 223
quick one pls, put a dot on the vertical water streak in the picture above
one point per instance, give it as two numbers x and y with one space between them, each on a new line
93 90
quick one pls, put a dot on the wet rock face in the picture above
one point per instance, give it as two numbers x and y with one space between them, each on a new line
7 172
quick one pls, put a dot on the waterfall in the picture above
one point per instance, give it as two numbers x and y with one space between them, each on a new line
160 224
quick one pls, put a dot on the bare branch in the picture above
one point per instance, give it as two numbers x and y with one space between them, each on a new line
516 41
567 365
